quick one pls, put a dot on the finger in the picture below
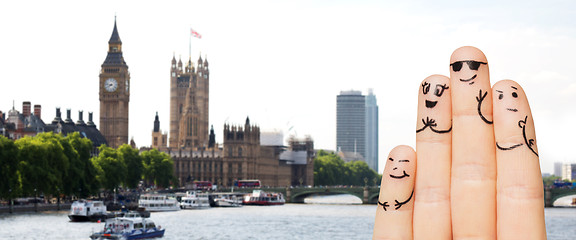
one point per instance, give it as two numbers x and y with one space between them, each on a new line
473 182
433 150
520 202
395 203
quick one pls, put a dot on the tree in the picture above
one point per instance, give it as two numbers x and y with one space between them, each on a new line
330 169
158 168
41 163
86 183
134 165
9 174
360 173
56 156
111 170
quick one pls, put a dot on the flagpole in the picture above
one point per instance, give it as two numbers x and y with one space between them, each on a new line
190 44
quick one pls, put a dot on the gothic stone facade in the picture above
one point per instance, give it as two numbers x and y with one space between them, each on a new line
243 157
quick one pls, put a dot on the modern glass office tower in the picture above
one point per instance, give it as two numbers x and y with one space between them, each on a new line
357 125
350 122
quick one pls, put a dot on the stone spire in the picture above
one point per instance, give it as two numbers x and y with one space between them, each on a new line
156 124
115 38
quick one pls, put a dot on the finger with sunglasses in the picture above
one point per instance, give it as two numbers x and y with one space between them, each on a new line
473 172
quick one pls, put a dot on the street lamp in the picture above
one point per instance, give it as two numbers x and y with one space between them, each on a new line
10 199
35 201
58 197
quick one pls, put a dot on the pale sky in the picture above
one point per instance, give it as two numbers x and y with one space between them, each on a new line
282 63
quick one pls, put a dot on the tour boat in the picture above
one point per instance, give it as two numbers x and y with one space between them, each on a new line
158 203
227 200
131 226
87 210
258 197
195 200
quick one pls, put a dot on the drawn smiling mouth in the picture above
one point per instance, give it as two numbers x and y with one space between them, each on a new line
431 104
398 177
469 79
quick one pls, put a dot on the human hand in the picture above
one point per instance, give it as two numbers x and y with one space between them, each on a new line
478 173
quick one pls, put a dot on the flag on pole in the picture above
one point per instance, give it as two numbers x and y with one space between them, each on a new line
195 34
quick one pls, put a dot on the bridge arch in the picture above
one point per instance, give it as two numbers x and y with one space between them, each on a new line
298 197
553 194
565 194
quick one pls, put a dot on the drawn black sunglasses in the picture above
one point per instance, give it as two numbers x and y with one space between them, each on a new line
473 65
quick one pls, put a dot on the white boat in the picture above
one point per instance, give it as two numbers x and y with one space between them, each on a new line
227 200
158 203
258 197
87 210
131 226
195 200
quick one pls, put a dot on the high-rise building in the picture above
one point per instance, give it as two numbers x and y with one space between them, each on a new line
371 156
357 126
558 169
351 122
114 93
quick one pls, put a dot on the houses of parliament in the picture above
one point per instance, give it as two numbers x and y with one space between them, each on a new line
244 153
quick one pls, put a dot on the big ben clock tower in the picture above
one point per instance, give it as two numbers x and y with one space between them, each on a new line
114 93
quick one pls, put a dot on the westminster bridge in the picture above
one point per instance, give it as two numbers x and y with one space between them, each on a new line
369 195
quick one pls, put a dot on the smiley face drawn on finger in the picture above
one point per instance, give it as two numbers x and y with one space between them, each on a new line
438 91
469 65
514 94
395 171
430 100
473 66
514 107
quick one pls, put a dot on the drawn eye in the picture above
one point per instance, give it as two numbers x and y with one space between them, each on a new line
514 94
404 160
391 159
425 88
500 96
440 89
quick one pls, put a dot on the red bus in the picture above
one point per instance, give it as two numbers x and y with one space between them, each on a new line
247 183
204 185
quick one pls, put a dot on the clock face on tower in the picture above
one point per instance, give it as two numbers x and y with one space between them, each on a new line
111 84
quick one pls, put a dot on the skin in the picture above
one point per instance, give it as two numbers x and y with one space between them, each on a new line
433 150
519 183
473 181
494 189
396 223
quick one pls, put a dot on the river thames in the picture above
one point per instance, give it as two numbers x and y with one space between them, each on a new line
290 221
